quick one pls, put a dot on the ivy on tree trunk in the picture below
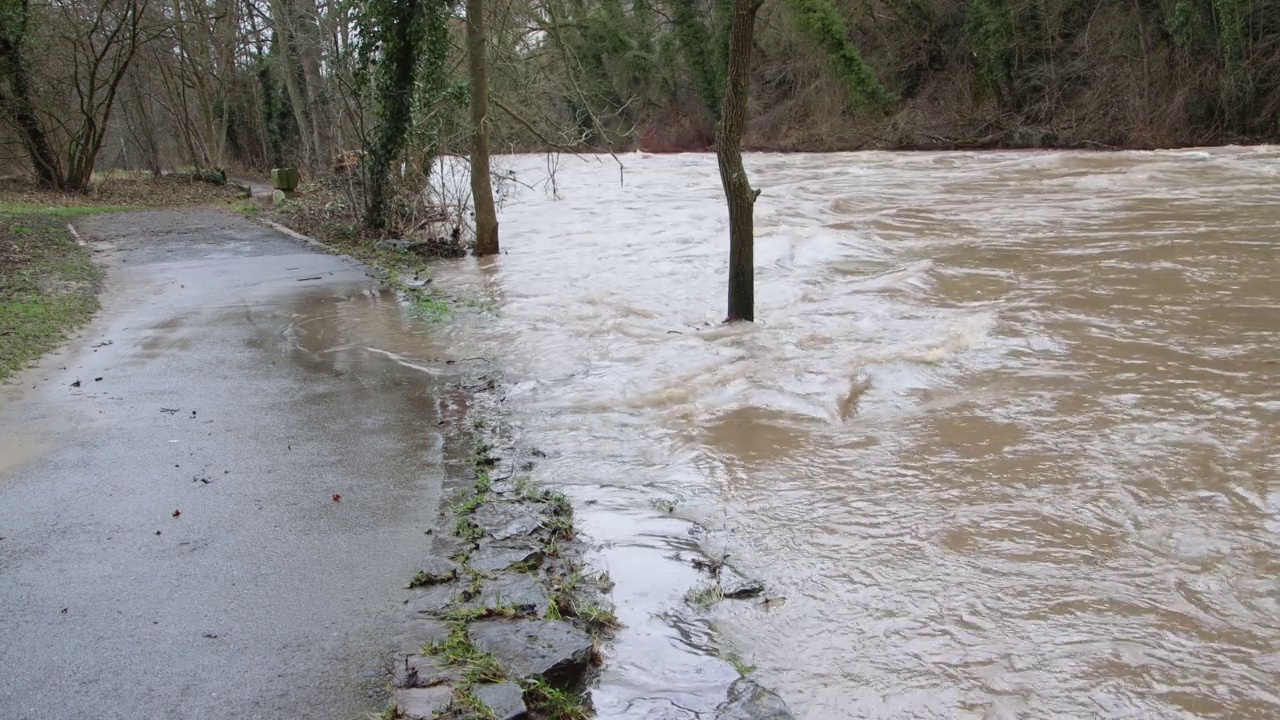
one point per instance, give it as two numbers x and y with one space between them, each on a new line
398 33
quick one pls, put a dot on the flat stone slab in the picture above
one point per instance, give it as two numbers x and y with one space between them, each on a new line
421 632
504 700
435 600
424 703
491 558
421 671
449 545
520 591
748 701
508 520
553 649
521 527
436 570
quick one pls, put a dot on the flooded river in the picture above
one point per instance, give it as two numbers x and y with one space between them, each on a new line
1003 443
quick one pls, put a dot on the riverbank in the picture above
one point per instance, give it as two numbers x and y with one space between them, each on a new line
514 609
509 619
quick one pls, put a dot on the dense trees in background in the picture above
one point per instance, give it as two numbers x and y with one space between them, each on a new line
159 84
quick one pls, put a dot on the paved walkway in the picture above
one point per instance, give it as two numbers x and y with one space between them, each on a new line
242 378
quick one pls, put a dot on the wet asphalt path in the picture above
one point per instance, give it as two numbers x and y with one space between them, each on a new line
264 598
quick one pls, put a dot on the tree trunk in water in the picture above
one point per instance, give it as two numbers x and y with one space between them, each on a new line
481 188
737 190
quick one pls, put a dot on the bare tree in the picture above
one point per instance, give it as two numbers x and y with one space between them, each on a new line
100 39
481 187
733 176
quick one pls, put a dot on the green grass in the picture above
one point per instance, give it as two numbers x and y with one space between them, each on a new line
60 211
48 284
245 207
466 701
598 618
704 596
552 703
457 650
738 663
431 307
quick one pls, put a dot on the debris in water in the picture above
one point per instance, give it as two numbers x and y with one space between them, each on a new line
64 611
97 379
211 636
317 277
75 384
171 411
337 497
176 513
104 343
711 566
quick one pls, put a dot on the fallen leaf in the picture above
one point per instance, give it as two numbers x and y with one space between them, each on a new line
337 498
176 513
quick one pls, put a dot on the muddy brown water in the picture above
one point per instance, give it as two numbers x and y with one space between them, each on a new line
1003 443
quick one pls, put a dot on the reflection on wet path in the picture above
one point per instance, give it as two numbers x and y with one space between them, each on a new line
1005 438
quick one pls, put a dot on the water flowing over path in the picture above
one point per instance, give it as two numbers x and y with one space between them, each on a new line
1004 438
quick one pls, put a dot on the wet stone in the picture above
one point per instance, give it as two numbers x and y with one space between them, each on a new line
553 649
504 700
436 570
420 633
504 521
449 545
434 600
519 528
490 558
424 703
738 586
421 671
516 590
749 701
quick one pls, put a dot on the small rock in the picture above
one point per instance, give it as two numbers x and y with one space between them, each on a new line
736 585
424 703
553 649
749 701
436 570
493 558
520 591
504 700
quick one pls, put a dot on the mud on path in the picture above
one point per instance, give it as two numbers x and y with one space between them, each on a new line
218 520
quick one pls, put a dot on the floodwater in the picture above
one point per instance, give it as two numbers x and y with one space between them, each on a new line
1003 442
